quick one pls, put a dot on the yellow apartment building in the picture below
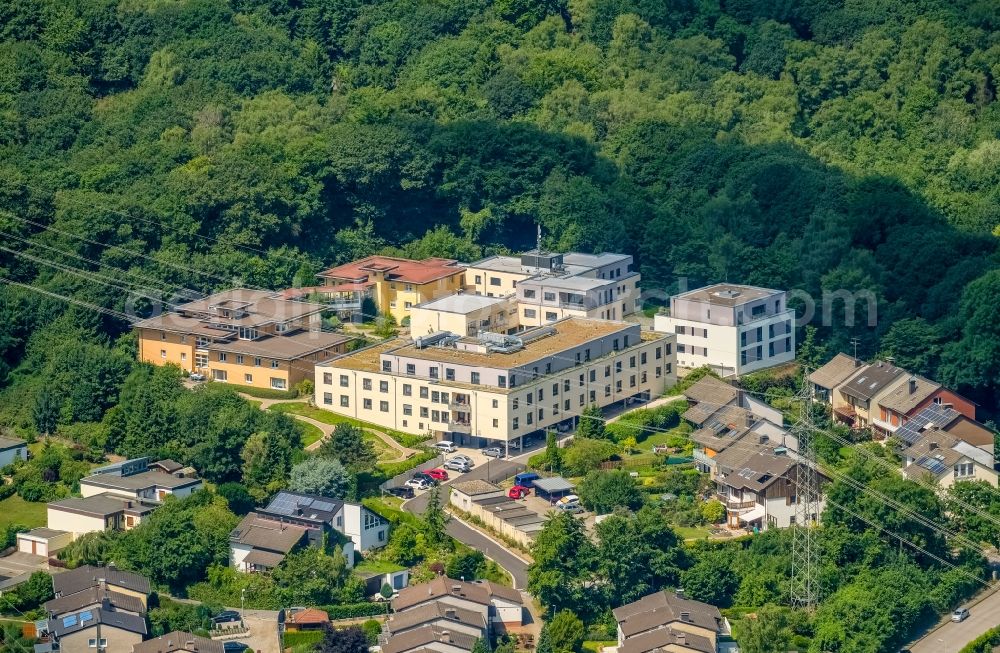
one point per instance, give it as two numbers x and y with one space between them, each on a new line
396 285
244 337
497 387
464 314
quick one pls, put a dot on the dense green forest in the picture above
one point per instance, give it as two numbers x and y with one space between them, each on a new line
189 144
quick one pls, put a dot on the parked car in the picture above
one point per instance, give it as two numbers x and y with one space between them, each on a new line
462 457
493 452
427 478
226 616
514 444
417 483
518 492
437 474
525 479
458 466
569 507
447 446
960 615
234 647
568 499
197 377
401 492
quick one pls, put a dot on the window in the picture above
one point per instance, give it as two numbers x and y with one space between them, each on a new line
222 356
328 398
386 366
344 381
514 424
239 359
549 296
593 396
631 381
760 352
424 411
449 373
407 409
615 344
327 378
679 330
502 381
618 367
435 415
743 357
424 393
583 401
366 384
248 378
278 383
407 390
529 418
383 386
434 373
681 349
582 382
770 330
658 354
607 391
618 385
566 405
642 377
163 335
607 371
770 349
642 358
541 414
565 384
515 403
530 397
408 287
555 408
555 389
435 396
479 278
411 369
257 362
541 394
593 375
274 364
631 361
743 339
496 423
163 354
529 294
366 404
964 469
788 344
474 378
530 312
383 406
496 403
494 281
220 375
658 373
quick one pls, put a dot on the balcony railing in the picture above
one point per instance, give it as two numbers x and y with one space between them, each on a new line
460 427
464 405
734 505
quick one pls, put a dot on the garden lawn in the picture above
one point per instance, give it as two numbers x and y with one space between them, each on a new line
300 642
15 510
692 532
594 646
325 416
310 433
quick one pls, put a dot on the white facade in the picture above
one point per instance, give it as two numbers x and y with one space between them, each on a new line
12 450
366 529
43 541
733 329
76 523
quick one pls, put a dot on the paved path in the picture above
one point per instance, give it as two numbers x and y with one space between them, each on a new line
951 637
402 453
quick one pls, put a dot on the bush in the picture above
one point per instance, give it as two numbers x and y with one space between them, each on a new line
372 629
395 469
268 393
355 610
984 643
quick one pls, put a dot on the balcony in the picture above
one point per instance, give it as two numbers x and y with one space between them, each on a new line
460 404
738 505
460 427
701 457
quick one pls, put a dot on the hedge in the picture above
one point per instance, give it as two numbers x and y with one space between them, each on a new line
267 393
355 610
390 470
984 643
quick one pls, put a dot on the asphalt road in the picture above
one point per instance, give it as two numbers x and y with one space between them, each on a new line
514 565
951 637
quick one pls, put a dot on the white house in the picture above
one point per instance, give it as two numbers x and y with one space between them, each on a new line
43 541
365 528
734 329
133 479
12 449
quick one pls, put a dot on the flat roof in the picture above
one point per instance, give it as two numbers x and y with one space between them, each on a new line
396 269
140 481
99 505
571 282
43 533
554 484
475 487
11 443
728 294
461 303
262 305
284 347
574 263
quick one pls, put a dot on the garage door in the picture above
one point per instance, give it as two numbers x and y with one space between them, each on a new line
42 549
25 546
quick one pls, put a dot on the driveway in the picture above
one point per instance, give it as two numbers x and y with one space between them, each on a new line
263 634
19 564
951 637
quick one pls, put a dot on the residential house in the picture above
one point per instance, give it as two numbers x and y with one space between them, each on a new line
502 608
12 449
757 484
836 371
430 638
855 400
465 314
946 460
734 329
947 419
260 544
306 619
100 608
395 285
667 621
244 337
137 479
907 399
97 512
294 519
179 642
550 286
706 397
497 388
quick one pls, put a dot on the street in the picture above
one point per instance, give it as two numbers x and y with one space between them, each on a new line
951 637
514 565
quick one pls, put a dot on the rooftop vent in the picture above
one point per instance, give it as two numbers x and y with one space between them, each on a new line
728 293
685 616
432 339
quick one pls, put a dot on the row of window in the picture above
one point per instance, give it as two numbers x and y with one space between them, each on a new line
201 360
276 383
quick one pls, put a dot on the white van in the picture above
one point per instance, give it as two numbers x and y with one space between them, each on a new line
446 446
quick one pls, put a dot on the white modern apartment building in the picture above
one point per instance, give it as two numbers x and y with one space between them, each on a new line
495 387
551 286
732 328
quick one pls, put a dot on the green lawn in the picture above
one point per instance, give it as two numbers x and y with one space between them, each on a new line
593 646
325 416
378 567
15 510
302 641
692 532
310 433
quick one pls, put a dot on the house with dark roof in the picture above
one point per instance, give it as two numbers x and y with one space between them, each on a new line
908 399
134 479
260 544
949 420
706 397
363 527
98 629
855 400
945 460
87 577
98 512
501 607
756 483
430 638
435 613
179 642
667 621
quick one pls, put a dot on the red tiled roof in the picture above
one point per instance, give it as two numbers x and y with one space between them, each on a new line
309 616
396 269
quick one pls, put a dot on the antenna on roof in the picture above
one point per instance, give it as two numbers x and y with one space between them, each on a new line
538 240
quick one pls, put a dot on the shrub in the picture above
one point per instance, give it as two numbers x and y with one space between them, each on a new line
269 393
355 610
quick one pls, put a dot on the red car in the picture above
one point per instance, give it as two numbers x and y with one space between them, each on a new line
437 474
518 492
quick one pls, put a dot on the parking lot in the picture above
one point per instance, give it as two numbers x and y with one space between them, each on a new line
18 564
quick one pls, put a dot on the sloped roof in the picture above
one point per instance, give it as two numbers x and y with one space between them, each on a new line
267 534
93 596
67 624
420 637
932 416
934 454
431 612
909 395
837 370
179 641
723 428
395 269
662 608
655 640
711 390
872 380
309 616
437 588
87 576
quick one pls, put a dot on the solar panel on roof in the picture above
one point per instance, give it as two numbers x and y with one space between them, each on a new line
323 505
933 465
86 615
305 502
69 621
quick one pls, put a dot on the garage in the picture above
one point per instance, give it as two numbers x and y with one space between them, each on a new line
43 541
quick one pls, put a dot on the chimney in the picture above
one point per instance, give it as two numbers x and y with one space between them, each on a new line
445 637
680 639
749 420
686 616
457 589
913 384
680 593
932 446
857 362
451 613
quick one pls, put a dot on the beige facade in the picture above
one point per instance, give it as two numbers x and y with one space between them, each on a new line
113 639
79 524
465 314
469 390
